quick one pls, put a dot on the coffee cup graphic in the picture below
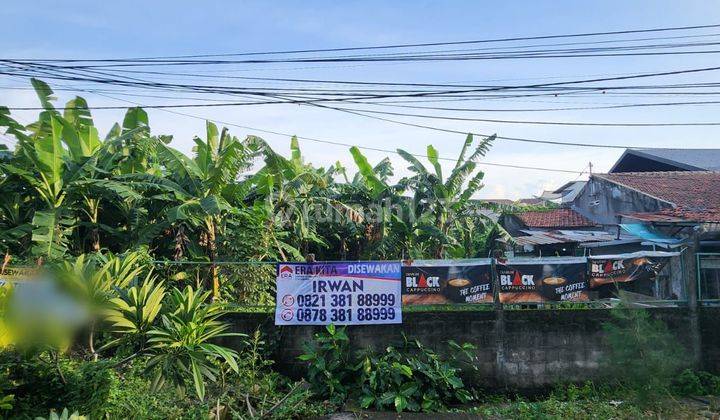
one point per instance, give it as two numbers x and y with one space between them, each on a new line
550 285
457 289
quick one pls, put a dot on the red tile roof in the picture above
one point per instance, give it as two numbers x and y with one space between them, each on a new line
557 218
695 196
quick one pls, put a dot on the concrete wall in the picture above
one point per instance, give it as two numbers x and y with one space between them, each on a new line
710 339
612 200
516 349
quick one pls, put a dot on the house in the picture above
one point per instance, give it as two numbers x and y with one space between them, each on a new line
672 210
664 160
554 232
685 198
565 194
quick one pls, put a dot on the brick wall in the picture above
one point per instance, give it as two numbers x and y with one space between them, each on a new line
517 349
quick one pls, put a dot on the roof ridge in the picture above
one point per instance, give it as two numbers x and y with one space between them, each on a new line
674 148
655 173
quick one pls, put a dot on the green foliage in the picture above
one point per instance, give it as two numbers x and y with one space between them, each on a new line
40 384
643 355
134 398
136 310
92 384
182 344
412 377
69 192
6 402
64 415
99 209
691 383
329 364
588 401
257 391
559 408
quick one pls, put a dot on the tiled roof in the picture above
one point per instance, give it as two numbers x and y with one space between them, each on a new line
695 196
557 218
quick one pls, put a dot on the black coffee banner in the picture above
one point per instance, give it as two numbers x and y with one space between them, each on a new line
625 267
427 282
542 280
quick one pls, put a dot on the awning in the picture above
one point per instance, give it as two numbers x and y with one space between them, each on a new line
650 234
637 254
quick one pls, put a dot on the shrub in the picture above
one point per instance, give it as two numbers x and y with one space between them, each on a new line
643 355
690 383
329 364
259 391
40 385
409 378
413 378
132 398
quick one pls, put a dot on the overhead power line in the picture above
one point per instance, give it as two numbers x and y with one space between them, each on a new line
344 144
59 73
518 139
562 123
402 114
409 45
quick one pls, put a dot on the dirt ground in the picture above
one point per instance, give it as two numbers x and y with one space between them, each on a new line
685 408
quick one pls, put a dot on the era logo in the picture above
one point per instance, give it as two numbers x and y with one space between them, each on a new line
286 271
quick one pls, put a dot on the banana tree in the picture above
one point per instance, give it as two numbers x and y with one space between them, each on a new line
203 185
298 200
41 164
383 204
442 206
61 158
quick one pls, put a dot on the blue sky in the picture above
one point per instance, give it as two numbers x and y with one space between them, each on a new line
96 29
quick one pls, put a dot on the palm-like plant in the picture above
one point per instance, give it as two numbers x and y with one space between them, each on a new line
285 186
441 204
371 190
61 158
133 313
182 346
440 216
97 279
204 185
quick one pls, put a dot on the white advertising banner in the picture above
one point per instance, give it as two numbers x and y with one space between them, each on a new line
346 293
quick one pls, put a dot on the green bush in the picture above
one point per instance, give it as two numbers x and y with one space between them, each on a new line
40 384
329 364
643 355
132 398
409 378
258 391
413 378
690 383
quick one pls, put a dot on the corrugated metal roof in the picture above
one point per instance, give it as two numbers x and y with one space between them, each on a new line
537 237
